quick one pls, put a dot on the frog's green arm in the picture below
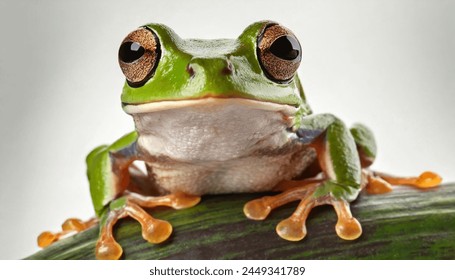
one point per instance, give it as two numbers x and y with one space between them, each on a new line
109 175
107 170
337 154
341 181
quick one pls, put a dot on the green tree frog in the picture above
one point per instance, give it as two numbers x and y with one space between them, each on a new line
225 116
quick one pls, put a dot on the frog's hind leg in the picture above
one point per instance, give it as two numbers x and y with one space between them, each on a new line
69 227
366 147
153 230
365 143
378 182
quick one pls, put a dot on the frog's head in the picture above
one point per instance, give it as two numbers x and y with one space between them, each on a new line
259 66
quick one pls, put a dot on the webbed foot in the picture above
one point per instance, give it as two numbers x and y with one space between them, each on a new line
294 228
153 230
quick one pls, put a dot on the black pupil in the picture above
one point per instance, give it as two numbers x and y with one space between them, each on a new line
286 47
130 51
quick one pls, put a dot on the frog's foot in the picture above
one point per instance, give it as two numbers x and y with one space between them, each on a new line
294 228
153 230
382 183
70 226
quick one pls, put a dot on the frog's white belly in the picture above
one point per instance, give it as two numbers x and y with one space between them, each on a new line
220 146
250 174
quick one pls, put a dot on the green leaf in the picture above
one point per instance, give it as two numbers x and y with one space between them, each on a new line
404 224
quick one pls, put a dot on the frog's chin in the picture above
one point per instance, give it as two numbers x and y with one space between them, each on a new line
211 129
133 109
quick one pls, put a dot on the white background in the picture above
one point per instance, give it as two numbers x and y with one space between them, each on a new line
388 64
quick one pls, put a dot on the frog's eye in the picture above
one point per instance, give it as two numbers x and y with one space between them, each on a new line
138 56
279 53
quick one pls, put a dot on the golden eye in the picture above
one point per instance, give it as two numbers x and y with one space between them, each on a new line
139 55
279 53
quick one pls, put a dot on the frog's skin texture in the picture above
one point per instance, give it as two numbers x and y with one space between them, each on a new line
225 116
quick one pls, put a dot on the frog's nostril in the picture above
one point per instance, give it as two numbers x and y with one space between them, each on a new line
206 66
190 70
227 70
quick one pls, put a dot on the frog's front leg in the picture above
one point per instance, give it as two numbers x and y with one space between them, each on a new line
130 204
338 184
109 171
109 176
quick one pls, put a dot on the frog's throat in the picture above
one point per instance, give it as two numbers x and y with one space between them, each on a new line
286 110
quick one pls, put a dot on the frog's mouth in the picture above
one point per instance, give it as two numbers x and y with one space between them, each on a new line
287 111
